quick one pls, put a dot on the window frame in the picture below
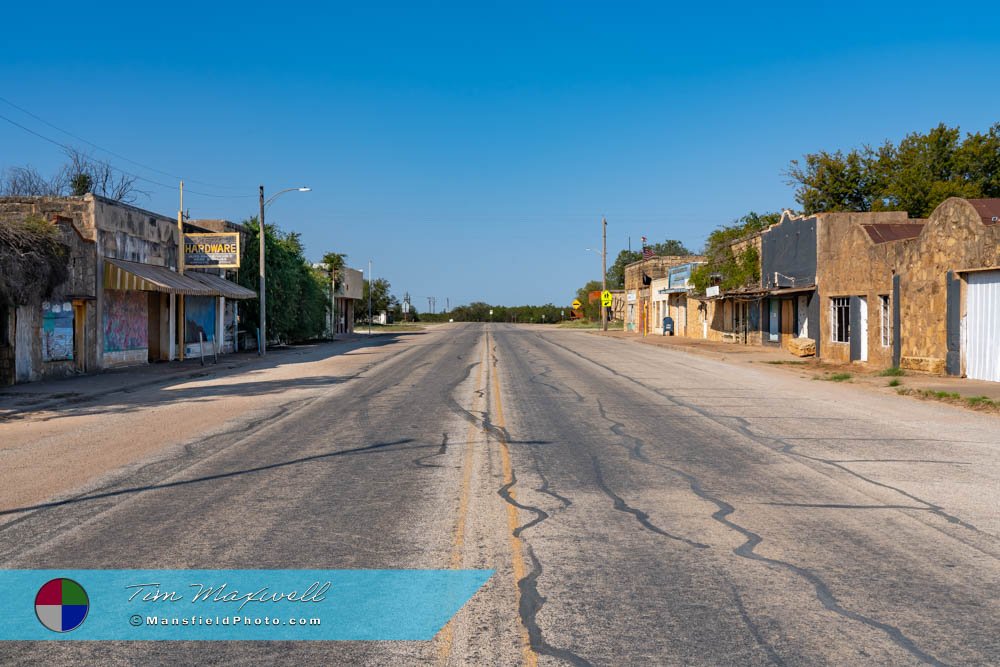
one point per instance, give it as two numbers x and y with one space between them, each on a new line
840 319
885 307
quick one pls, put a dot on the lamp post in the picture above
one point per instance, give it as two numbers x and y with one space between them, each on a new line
261 236
369 297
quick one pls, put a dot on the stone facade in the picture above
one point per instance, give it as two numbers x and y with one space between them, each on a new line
957 239
639 310
912 277
856 261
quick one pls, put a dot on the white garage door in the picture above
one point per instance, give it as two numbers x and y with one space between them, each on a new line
982 357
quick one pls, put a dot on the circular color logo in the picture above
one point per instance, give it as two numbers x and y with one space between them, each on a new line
61 605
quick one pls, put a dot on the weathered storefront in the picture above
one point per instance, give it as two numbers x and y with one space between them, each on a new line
119 305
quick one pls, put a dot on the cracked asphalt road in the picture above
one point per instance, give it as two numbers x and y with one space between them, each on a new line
639 506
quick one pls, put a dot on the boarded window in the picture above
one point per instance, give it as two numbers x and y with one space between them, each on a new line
840 319
57 331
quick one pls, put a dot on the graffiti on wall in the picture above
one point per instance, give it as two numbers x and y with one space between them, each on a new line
199 316
125 320
57 331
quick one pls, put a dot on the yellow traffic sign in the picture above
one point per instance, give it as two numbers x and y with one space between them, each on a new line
576 304
605 298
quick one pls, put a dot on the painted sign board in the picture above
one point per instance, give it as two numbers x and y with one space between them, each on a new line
217 251
678 276
712 291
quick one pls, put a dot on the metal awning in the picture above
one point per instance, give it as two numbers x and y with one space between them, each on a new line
122 275
222 287
792 290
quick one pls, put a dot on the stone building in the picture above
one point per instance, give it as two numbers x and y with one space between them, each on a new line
917 294
730 316
638 278
119 304
669 297
946 290
856 262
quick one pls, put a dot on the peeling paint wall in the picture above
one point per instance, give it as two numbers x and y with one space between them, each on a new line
73 218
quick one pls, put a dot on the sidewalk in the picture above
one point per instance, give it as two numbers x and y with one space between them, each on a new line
912 383
44 394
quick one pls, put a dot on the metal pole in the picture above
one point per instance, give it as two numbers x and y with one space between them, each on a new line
604 271
262 297
180 269
333 304
370 285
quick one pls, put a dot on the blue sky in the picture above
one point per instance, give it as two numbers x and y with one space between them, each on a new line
471 149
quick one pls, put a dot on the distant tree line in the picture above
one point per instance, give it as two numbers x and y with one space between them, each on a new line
480 312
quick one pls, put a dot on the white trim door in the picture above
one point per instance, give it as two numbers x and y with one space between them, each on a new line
863 315
982 326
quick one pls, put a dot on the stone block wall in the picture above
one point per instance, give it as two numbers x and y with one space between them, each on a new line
956 239
849 263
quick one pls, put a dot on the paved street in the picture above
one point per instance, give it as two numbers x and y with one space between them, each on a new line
640 506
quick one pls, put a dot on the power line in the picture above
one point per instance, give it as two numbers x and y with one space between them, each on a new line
118 169
111 152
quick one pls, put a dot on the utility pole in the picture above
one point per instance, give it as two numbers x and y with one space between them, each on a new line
262 297
370 297
333 302
180 269
604 271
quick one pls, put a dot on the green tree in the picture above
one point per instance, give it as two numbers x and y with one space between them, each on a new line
297 295
381 299
670 248
732 270
914 176
616 273
592 311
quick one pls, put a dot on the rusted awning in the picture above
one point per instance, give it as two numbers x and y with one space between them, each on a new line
221 286
784 291
122 275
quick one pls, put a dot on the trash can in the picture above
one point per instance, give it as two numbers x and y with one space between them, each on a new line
668 326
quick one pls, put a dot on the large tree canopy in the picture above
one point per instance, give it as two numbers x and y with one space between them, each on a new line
915 176
297 293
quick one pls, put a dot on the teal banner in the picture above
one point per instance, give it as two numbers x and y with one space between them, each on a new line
205 605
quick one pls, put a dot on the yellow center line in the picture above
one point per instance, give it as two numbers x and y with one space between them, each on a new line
516 548
446 635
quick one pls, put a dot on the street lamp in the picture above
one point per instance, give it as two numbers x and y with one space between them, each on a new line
262 344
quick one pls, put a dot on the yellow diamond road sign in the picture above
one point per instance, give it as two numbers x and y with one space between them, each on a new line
576 304
605 298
